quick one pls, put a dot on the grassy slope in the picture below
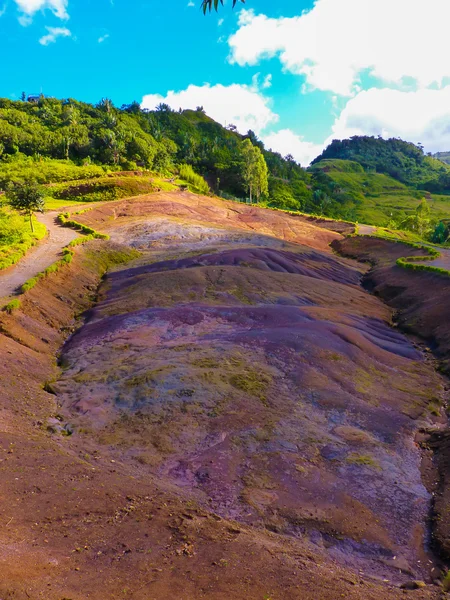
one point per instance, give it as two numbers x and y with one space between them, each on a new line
16 237
67 185
380 195
103 189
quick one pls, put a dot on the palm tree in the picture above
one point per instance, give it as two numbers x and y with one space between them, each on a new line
210 4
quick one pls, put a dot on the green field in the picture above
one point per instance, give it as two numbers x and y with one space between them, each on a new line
378 197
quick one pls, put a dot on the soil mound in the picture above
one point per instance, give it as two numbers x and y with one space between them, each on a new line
208 375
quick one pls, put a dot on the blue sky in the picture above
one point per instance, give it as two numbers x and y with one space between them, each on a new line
299 72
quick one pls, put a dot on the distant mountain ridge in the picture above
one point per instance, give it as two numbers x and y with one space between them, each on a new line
443 157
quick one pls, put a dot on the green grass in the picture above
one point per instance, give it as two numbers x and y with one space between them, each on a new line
363 460
398 235
104 189
12 306
196 182
16 237
412 263
52 204
46 171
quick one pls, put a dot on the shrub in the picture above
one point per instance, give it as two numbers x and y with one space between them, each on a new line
12 306
29 285
64 220
188 174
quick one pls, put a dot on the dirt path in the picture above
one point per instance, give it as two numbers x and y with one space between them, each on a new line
443 261
38 259
366 229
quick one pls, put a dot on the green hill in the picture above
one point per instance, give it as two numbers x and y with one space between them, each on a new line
404 161
443 157
377 198
89 140
83 152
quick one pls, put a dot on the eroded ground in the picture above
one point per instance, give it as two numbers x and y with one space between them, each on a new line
242 418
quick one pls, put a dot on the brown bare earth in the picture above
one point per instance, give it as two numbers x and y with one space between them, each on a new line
421 300
233 418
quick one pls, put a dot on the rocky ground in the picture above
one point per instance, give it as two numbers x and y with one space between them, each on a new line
234 417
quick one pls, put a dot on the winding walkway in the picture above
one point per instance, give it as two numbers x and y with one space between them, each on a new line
39 258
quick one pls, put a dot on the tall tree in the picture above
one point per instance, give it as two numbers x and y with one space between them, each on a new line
26 198
261 176
255 171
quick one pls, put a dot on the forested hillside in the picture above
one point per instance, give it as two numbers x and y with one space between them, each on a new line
404 161
59 142
129 138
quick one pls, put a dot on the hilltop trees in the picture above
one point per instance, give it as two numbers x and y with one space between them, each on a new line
440 234
26 198
255 171
404 161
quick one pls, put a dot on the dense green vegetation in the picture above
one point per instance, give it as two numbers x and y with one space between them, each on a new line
84 153
57 141
388 183
197 182
401 160
26 198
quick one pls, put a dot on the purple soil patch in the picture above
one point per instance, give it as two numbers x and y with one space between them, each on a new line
254 403
297 415
311 263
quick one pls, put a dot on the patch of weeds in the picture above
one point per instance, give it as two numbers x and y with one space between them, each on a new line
240 295
180 348
12 306
435 407
252 382
364 460
264 434
48 387
205 363
446 582
145 378
185 393
258 480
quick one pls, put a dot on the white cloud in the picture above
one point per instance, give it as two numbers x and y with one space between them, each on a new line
3 10
191 4
338 40
30 7
53 34
287 142
220 22
420 116
103 38
267 83
241 105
